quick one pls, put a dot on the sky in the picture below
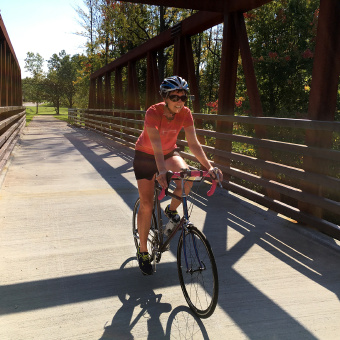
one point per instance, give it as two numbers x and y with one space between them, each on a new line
44 27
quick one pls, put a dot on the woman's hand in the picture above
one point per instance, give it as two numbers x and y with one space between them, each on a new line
161 179
216 174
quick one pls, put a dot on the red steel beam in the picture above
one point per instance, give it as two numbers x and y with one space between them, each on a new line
221 6
326 68
190 26
228 75
323 94
152 79
108 96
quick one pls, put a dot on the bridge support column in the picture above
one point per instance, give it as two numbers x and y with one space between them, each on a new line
323 94
92 94
228 73
254 95
118 97
107 93
152 80
133 102
100 93
3 74
193 82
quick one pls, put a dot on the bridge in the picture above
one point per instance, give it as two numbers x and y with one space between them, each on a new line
68 268
67 192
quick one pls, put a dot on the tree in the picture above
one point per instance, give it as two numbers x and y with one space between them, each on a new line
60 79
282 41
32 87
53 90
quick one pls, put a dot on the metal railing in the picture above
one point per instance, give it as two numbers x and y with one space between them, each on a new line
270 171
12 121
12 113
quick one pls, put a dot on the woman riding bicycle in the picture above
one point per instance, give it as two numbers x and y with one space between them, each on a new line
155 152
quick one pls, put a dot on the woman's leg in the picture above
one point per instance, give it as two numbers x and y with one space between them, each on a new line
146 191
176 163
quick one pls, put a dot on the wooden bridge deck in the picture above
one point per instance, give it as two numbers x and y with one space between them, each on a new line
67 256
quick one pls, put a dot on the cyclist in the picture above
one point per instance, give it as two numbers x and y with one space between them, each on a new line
155 152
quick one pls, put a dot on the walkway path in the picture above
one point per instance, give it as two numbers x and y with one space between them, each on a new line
67 257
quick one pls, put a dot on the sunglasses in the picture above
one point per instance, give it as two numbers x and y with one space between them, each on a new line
176 98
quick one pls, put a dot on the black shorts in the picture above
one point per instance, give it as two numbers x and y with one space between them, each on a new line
145 165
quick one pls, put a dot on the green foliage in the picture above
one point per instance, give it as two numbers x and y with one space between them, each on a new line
282 41
32 87
59 83
34 64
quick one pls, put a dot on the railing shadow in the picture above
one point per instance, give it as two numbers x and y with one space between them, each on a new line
246 304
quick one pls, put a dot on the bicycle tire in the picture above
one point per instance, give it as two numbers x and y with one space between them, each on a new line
152 233
199 286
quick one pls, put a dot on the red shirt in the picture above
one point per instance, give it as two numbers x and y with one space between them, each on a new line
168 129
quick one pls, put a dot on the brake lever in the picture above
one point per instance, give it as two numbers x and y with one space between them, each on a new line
217 177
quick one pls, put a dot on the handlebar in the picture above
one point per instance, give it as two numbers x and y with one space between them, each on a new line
190 173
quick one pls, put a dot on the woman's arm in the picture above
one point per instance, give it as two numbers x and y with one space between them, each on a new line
155 140
196 147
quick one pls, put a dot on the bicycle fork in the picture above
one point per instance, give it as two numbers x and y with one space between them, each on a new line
185 233
189 267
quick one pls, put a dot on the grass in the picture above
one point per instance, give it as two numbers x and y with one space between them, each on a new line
45 109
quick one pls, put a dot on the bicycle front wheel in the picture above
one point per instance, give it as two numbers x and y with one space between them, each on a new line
197 272
152 233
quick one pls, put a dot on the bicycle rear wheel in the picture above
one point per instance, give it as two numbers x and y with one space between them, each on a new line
152 233
197 272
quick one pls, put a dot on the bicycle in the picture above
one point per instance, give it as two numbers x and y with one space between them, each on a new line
196 264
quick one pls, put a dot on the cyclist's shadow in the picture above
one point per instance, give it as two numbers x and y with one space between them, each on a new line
151 308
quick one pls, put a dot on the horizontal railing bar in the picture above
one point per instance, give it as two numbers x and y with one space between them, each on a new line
283 189
330 183
322 225
332 126
301 149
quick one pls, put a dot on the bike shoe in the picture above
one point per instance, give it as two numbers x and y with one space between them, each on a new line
144 262
172 214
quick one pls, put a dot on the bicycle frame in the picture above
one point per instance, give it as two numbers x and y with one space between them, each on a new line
196 265
182 224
